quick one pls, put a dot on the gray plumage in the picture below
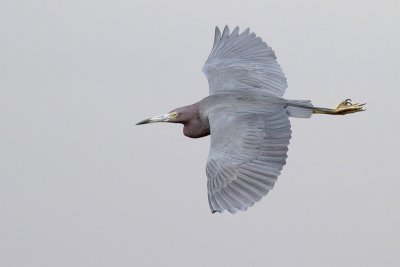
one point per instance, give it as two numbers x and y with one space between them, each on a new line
247 118
249 143
243 61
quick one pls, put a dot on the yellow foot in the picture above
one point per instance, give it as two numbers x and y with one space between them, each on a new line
347 107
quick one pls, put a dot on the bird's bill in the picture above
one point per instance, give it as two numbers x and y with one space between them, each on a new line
161 118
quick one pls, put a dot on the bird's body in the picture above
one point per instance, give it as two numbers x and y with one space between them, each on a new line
196 122
247 118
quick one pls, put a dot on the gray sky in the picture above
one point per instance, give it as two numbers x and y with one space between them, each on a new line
80 185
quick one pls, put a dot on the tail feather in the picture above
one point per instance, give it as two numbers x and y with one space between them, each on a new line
300 108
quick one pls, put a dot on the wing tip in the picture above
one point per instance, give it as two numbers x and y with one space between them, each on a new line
227 34
217 32
217 36
235 31
232 211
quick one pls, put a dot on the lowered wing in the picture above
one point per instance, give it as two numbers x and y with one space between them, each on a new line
247 154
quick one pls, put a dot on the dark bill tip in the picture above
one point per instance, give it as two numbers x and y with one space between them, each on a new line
143 122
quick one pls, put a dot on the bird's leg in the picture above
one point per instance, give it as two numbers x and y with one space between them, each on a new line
345 107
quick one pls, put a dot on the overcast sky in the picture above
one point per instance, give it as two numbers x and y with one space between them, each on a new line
81 185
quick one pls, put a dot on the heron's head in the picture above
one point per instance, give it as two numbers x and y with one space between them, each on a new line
189 116
173 116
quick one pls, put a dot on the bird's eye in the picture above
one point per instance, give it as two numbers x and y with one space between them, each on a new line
174 114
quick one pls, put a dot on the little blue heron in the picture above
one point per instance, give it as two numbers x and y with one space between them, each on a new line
247 118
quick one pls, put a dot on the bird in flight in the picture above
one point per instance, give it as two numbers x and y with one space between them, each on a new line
247 118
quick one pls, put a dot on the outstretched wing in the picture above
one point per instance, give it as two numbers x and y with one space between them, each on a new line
247 154
239 61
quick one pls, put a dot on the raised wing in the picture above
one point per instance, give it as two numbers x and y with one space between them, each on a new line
239 61
247 154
